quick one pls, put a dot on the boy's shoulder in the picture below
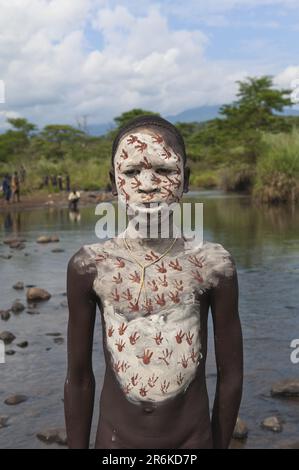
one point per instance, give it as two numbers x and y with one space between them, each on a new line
215 260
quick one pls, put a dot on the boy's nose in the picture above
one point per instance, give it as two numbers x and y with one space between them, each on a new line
147 185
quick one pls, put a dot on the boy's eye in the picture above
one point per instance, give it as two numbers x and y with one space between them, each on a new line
133 172
163 171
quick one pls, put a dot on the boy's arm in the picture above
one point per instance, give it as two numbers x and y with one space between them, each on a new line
80 383
229 358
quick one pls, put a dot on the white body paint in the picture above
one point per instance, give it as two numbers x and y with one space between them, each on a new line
173 363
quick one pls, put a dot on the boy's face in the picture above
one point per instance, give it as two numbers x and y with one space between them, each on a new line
148 170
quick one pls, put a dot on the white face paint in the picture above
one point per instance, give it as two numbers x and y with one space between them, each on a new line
147 170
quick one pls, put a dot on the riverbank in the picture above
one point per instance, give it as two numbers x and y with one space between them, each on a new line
40 199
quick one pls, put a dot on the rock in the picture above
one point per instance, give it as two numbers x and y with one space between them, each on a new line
7 337
241 430
32 311
23 344
286 388
17 307
5 315
10 352
36 293
3 421
5 256
272 423
43 239
30 285
59 340
57 250
54 435
53 334
9 241
17 245
48 349
47 239
18 285
15 399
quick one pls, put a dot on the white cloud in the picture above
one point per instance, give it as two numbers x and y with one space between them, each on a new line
52 73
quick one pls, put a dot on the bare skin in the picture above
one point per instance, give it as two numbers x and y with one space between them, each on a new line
169 408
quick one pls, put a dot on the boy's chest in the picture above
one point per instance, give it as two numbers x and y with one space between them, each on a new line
139 290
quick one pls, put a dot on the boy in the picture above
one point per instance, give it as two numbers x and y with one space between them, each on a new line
154 295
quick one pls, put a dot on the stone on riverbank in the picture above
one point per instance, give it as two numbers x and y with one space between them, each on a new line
3 421
57 250
17 307
272 423
9 241
7 337
5 315
36 293
286 388
23 344
10 352
18 285
54 435
15 399
47 239
241 430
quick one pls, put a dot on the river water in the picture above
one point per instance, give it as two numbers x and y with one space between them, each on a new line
265 245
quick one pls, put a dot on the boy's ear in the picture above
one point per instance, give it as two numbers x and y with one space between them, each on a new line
186 179
112 181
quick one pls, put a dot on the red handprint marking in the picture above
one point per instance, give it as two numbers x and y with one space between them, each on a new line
180 379
178 285
157 139
110 331
132 139
189 338
175 265
117 279
198 262
166 356
152 381
134 307
119 263
135 277
140 146
163 281
161 268
136 183
164 387
124 155
151 256
146 357
179 337
152 284
197 276
120 345
158 338
184 361
134 380
122 329
160 299
174 297
115 295
127 295
133 338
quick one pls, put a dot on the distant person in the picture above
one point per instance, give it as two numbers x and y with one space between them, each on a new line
74 198
54 181
15 184
68 183
46 181
6 188
60 182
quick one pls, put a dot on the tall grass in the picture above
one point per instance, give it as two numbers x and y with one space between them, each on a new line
277 171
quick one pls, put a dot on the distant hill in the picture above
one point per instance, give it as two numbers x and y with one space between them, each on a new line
203 113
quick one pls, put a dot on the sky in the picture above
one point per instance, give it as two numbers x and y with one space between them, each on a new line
61 60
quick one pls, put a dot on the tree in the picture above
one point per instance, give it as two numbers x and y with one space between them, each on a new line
254 110
22 125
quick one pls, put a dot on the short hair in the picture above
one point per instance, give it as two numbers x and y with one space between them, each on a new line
149 120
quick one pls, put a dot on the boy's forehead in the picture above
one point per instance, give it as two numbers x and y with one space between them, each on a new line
146 142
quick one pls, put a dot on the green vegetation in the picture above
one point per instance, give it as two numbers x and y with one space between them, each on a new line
250 147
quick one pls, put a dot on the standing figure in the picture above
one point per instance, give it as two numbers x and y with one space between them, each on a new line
6 187
15 184
154 295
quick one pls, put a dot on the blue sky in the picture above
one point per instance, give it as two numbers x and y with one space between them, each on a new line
62 59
